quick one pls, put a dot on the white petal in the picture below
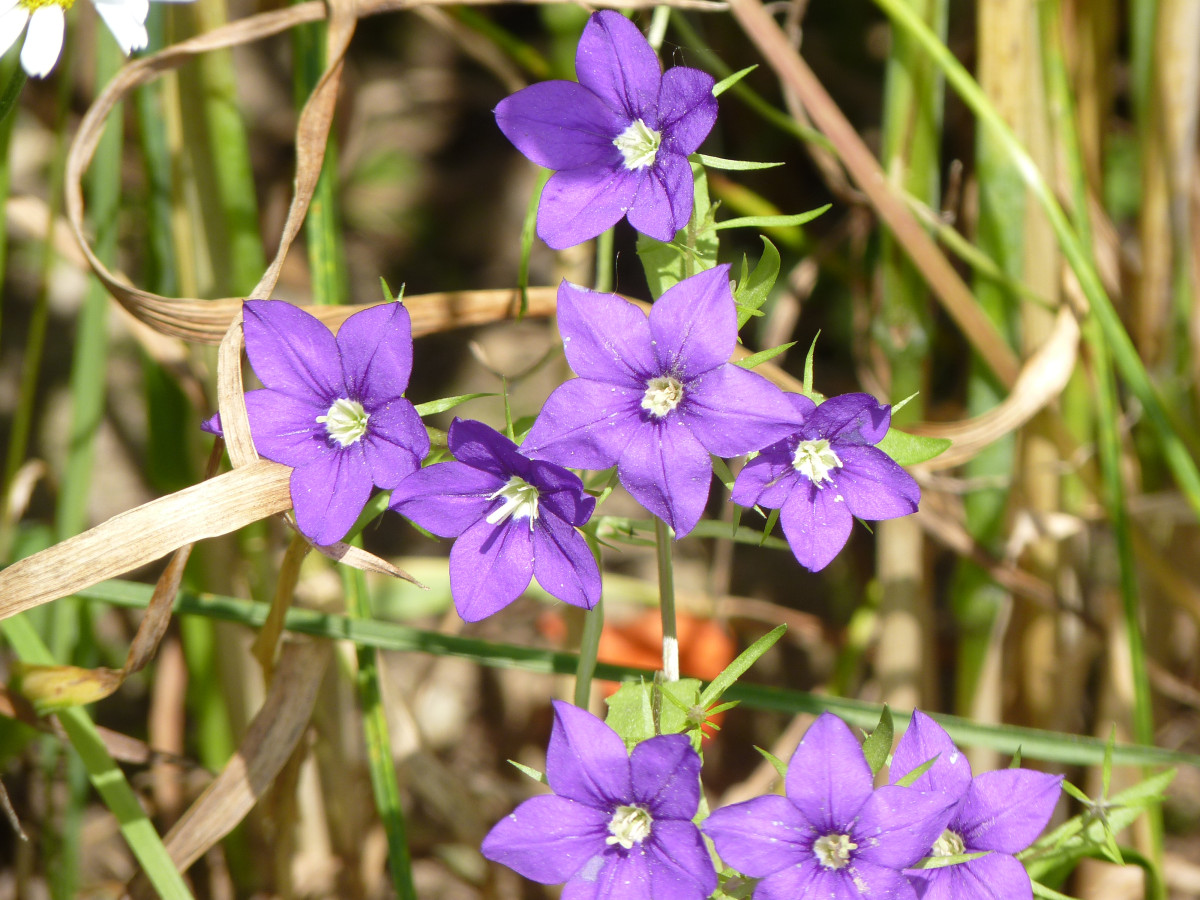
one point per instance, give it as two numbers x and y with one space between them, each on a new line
44 40
126 19
12 23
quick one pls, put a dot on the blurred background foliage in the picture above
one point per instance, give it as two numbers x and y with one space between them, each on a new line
1052 579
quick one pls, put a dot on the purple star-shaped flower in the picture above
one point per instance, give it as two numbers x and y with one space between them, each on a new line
833 836
1002 811
618 139
656 396
618 826
332 408
827 473
514 518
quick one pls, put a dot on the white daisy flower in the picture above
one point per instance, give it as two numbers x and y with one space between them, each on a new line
126 19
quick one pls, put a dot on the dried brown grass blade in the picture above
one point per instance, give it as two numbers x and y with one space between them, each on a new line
864 168
269 741
213 507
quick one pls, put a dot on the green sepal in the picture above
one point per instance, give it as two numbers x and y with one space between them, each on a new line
668 264
437 406
907 780
730 80
732 672
779 765
878 744
754 288
940 862
763 356
909 449
772 221
733 165
537 776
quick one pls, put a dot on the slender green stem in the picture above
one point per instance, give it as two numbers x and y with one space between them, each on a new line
12 92
658 26
1179 457
604 262
589 646
664 541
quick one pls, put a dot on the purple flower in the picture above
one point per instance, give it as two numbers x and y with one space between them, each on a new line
618 140
827 473
618 825
1002 811
515 518
833 836
655 397
332 409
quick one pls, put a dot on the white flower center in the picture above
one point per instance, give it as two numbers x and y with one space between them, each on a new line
346 421
638 145
629 825
949 844
33 5
520 502
814 459
833 850
662 395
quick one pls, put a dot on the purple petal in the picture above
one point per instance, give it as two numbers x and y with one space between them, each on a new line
924 740
874 486
687 109
761 836
732 411
828 778
212 425
604 337
490 567
285 430
668 472
768 479
1007 809
585 424
482 447
694 324
816 523
860 879
616 63
852 419
376 347
996 876
663 202
561 125
622 875
578 204
897 826
680 866
560 491
446 498
291 352
395 443
586 760
547 839
666 776
328 493
562 563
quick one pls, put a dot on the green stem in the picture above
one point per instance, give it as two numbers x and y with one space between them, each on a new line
589 646
664 540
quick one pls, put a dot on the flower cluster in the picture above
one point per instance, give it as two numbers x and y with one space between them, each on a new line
620 826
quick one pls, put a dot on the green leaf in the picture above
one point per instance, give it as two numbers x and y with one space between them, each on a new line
754 289
726 83
531 772
878 744
734 165
738 667
909 449
1045 893
668 264
771 221
764 355
631 710
437 406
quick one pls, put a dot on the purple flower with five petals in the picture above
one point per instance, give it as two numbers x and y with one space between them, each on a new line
656 396
618 139
514 519
827 473
833 836
1002 812
618 825
332 408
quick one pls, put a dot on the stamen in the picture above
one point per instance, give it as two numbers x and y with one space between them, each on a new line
833 850
949 844
520 502
814 460
638 145
629 825
663 394
346 421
